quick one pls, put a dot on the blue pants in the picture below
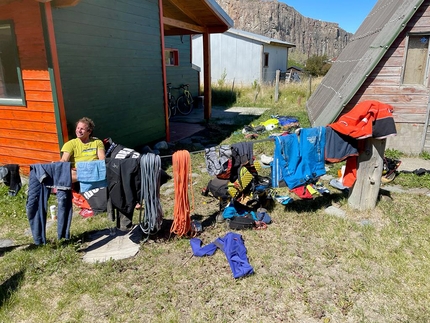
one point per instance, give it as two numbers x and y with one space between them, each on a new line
234 249
42 178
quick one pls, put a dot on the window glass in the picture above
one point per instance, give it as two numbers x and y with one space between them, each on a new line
416 59
11 91
266 60
171 57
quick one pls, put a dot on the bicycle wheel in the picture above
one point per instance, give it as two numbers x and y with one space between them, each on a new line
184 104
172 107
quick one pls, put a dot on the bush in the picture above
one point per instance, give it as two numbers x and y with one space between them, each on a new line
317 65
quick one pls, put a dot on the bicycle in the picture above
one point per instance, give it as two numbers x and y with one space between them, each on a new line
184 103
171 101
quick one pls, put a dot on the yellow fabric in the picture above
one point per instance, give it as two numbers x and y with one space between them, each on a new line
80 152
311 190
272 121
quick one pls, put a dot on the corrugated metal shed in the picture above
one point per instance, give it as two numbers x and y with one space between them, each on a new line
259 38
358 59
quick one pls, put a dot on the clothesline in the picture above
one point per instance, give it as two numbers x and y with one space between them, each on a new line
218 146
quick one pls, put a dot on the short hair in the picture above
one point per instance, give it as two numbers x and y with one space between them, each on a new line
90 123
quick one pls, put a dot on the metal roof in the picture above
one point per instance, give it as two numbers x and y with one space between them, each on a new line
358 59
259 38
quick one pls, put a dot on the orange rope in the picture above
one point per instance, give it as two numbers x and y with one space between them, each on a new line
182 181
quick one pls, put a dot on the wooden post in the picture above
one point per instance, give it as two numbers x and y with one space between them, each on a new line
207 76
364 194
278 73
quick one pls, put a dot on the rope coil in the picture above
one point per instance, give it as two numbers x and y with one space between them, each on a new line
182 180
151 221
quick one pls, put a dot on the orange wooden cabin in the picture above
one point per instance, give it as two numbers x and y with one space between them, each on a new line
65 59
28 132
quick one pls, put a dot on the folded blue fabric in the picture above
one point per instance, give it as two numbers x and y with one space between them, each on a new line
264 217
91 175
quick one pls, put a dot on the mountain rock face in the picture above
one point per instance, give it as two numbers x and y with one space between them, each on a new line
277 20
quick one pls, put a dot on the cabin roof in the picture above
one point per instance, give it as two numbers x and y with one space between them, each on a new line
259 38
183 17
358 59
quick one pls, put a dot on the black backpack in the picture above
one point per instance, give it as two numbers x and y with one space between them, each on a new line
218 188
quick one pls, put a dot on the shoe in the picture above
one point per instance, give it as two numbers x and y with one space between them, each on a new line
3 172
125 229
284 200
388 178
220 218
266 160
86 213
337 184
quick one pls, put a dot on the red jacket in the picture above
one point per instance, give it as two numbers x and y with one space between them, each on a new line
367 119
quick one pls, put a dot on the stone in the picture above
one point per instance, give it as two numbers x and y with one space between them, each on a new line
332 210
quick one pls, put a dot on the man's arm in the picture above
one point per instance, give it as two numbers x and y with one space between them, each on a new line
65 157
101 155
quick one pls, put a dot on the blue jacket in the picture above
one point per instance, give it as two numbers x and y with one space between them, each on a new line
299 160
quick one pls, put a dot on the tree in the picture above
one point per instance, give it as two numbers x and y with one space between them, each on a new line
317 65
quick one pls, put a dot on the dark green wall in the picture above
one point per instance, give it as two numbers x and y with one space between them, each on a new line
110 64
184 73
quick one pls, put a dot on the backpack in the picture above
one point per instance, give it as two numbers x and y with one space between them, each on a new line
218 188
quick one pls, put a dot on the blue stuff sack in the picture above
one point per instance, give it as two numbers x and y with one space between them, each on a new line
285 121
263 216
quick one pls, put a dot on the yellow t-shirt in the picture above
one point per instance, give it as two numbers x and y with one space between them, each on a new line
80 152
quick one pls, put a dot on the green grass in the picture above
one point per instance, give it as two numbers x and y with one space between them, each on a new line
310 266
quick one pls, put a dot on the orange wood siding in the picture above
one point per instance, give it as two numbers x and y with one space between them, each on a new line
28 134
385 84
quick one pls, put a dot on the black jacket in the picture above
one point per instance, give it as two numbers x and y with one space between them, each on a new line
123 177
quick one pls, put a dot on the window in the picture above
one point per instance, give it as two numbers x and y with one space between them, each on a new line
11 89
415 71
266 60
171 57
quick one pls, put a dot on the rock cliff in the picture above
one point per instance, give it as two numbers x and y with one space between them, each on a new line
277 20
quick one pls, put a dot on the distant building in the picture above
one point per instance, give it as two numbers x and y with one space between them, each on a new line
242 57
293 74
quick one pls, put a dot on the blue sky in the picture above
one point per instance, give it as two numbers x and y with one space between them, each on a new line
349 14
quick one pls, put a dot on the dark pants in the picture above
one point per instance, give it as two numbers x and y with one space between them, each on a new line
37 202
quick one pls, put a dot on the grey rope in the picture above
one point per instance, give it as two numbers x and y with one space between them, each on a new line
151 221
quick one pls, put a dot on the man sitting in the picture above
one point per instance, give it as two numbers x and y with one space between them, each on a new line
84 148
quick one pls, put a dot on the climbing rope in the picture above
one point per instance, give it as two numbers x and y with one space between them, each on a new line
181 161
151 221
